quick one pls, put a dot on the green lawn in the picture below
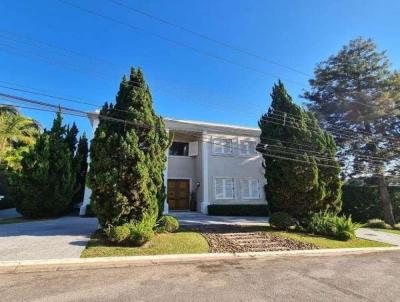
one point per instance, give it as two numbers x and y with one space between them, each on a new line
329 243
161 244
397 232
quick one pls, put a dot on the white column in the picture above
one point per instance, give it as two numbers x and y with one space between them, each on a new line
94 121
166 207
204 167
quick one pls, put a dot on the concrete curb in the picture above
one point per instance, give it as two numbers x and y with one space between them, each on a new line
127 261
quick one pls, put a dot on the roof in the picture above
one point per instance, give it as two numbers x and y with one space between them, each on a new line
199 126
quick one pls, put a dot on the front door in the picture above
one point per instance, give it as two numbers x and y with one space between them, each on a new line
178 194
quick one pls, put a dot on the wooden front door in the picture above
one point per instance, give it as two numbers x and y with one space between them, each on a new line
178 194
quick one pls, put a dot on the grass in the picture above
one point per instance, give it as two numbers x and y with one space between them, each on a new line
162 244
330 243
392 231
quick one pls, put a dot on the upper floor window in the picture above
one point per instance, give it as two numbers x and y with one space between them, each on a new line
222 146
247 147
179 149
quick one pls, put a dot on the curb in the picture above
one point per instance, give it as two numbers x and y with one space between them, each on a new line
127 261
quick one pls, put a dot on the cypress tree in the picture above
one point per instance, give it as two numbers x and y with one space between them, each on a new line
299 179
128 159
46 183
80 159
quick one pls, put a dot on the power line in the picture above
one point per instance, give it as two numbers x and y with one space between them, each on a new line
208 38
176 42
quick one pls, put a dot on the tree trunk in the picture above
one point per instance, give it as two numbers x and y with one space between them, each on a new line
385 201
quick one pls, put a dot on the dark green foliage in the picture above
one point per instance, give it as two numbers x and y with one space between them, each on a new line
238 209
356 90
167 224
70 138
6 202
89 211
298 181
377 224
81 166
362 202
128 159
46 183
281 221
193 201
326 224
119 233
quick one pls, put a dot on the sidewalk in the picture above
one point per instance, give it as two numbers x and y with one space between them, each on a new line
374 235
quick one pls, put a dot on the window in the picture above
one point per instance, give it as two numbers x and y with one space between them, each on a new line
179 149
247 147
224 188
222 146
250 188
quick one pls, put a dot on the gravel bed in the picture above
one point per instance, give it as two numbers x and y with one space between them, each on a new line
237 240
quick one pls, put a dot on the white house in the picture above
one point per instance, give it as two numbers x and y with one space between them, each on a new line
215 163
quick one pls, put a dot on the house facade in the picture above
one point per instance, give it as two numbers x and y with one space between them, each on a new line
209 164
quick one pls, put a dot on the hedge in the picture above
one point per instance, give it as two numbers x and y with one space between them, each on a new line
362 202
238 210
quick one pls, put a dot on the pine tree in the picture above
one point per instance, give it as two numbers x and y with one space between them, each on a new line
298 181
46 183
71 138
128 159
356 91
80 158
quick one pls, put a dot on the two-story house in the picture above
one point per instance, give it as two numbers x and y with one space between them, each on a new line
210 163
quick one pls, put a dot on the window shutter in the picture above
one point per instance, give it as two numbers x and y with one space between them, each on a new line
229 188
244 184
227 146
193 148
255 188
219 188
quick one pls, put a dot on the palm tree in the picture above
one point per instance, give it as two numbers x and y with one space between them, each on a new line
16 132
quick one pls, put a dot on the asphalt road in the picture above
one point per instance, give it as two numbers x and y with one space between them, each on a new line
367 277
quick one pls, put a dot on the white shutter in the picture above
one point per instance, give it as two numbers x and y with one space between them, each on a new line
255 189
227 146
244 185
228 188
193 148
218 146
219 188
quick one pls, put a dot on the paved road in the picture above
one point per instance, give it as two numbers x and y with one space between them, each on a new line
45 239
378 236
367 277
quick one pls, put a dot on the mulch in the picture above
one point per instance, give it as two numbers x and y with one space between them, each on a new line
233 239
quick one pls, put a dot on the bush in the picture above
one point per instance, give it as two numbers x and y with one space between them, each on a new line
397 226
141 231
339 227
118 233
362 202
281 221
167 224
238 210
377 224
89 211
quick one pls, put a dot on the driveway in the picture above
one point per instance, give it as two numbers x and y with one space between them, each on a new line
349 278
199 219
378 236
64 237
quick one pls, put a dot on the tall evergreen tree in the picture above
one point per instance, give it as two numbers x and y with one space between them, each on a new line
128 159
71 138
356 91
298 181
46 183
81 157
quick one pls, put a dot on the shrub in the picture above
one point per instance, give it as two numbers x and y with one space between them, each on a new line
167 224
377 224
118 233
339 227
141 231
281 221
89 211
238 209
397 226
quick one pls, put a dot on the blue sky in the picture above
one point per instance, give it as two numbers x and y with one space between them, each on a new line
185 84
